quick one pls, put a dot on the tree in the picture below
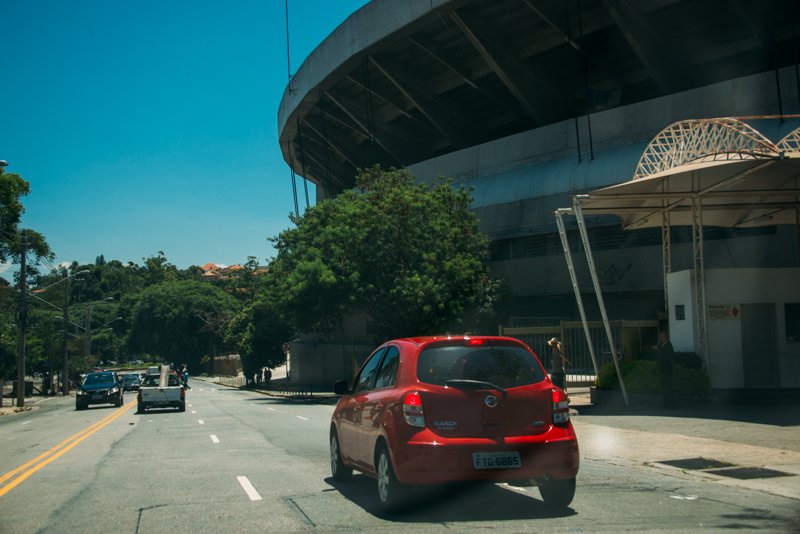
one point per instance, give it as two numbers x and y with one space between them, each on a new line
258 333
410 255
12 189
178 321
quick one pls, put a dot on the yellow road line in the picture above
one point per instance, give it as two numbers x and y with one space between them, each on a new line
30 467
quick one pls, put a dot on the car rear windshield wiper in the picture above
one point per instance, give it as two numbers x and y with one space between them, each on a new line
472 384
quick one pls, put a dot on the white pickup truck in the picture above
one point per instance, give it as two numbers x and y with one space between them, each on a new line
162 390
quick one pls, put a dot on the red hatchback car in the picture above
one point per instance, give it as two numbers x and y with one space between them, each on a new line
434 410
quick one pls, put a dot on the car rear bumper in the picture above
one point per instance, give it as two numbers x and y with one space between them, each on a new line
553 454
106 399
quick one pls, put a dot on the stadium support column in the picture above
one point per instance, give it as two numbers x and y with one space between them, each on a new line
699 278
576 207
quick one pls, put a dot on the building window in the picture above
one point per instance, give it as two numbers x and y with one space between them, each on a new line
680 312
792 315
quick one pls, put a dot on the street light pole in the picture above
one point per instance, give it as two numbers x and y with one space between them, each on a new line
65 362
88 329
23 324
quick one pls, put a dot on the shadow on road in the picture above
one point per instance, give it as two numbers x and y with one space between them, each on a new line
452 503
783 414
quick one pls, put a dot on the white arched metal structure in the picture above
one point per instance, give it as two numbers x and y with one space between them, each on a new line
700 140
703 172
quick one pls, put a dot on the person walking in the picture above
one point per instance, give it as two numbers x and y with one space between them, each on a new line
259 375
665 356
557 362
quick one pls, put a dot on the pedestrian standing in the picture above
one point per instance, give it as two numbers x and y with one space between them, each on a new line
665 356
557 362
259 376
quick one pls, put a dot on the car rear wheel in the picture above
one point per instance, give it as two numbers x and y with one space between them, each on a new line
182 407
391 493
139 407
339 471
558 493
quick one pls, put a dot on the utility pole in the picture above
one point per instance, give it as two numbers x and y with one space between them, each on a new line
65 367
23 323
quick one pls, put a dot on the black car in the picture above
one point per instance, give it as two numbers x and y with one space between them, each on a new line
131 382
99 388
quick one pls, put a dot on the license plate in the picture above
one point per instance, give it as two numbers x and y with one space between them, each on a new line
97 397
496 460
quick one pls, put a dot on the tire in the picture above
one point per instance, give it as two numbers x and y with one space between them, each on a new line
79 406
340 472
391 493
558 493
139 407
182 407
118 402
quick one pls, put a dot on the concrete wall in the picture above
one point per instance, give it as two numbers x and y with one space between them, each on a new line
322 364
737 286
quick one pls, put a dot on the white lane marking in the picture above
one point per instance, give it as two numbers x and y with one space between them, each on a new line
248 488
200 421
190 406
301 417
214 438
271 409
194 411
26 422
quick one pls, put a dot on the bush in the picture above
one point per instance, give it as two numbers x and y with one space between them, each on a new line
642 376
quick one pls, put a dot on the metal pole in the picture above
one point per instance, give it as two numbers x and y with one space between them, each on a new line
601 303
666 254
578 298
65 363
23 323
699 278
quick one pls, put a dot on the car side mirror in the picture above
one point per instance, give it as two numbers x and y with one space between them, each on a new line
341 387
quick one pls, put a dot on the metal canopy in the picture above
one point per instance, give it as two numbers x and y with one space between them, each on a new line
741 178
705 172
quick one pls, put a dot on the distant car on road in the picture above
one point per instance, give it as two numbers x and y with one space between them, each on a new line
153 395
99 388
131 382
436 410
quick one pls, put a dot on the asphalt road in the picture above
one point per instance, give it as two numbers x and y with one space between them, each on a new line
238 461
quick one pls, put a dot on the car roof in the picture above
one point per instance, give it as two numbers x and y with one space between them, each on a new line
426 340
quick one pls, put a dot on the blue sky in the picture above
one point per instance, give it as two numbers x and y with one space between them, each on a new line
146 126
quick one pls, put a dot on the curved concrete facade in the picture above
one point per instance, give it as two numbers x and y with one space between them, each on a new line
484 92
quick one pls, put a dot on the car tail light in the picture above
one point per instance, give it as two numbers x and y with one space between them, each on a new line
412 410
560 406
475 342
183 393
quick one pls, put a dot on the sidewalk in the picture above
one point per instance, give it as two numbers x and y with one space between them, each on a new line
740 445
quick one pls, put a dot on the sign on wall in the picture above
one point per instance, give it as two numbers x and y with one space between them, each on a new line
724 311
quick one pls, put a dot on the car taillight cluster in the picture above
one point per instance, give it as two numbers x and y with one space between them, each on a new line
412 410
560 406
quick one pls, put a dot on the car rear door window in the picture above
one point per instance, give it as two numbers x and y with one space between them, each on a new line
388 371
506 366
366 379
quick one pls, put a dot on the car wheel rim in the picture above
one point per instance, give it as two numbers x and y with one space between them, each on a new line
383 478
334 455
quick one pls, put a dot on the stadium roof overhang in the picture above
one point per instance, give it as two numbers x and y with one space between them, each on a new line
403 81
705 172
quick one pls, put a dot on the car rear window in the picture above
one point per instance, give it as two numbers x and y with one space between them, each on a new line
505 366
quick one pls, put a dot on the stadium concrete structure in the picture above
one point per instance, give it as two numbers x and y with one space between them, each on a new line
532 102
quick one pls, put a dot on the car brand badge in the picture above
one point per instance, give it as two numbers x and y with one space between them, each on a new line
491 401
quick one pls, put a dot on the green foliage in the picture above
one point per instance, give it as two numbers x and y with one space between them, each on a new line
12 189
410 255
642 376
258 333
179 322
